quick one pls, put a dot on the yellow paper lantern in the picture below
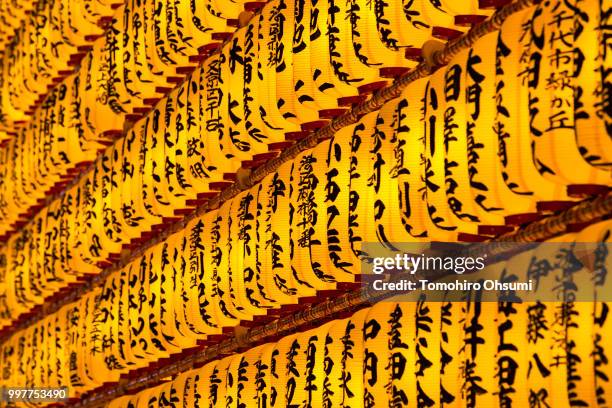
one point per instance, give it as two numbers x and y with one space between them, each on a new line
551 93
591 119
272 255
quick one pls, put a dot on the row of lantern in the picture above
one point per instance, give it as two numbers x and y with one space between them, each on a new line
80 116
463 353
12 15
51 37
274 74
428 159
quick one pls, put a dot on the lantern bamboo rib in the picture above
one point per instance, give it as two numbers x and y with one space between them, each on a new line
344 304
377 100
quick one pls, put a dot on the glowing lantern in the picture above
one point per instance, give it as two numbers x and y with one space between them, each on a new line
280 242
273 255
551 117
591 118
273 46
341 258
307 219
243 264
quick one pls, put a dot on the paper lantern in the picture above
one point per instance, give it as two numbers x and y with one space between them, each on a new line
218 92
118 49
243 262
100 330
16 295
195 149
291 362
327 194
166 396
201 384
222 382
308 63
347 66
137 304
123 200
590 115
239 144
411 143
256 125
458 108
400 329
145 172
385 189
89 230
434 154
123 327
323 47
134 209
184 387
401 24
341 257
257 287
204 313
93 93
208 299
161 339
78 377
315 371
176 164
280 242
147 398
307 219
512 357
512 103
223 276
152 40
214 105
165 53
180 290
164 131
115 230
491 193
135 78
235 256
427 347
245 376
279 373
575 318
273 255
157 199
345 362
215 266
388 166
368 46
551 116
377 362
270 58
446 89
147 334
80 261
280 19
599 232
359 204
